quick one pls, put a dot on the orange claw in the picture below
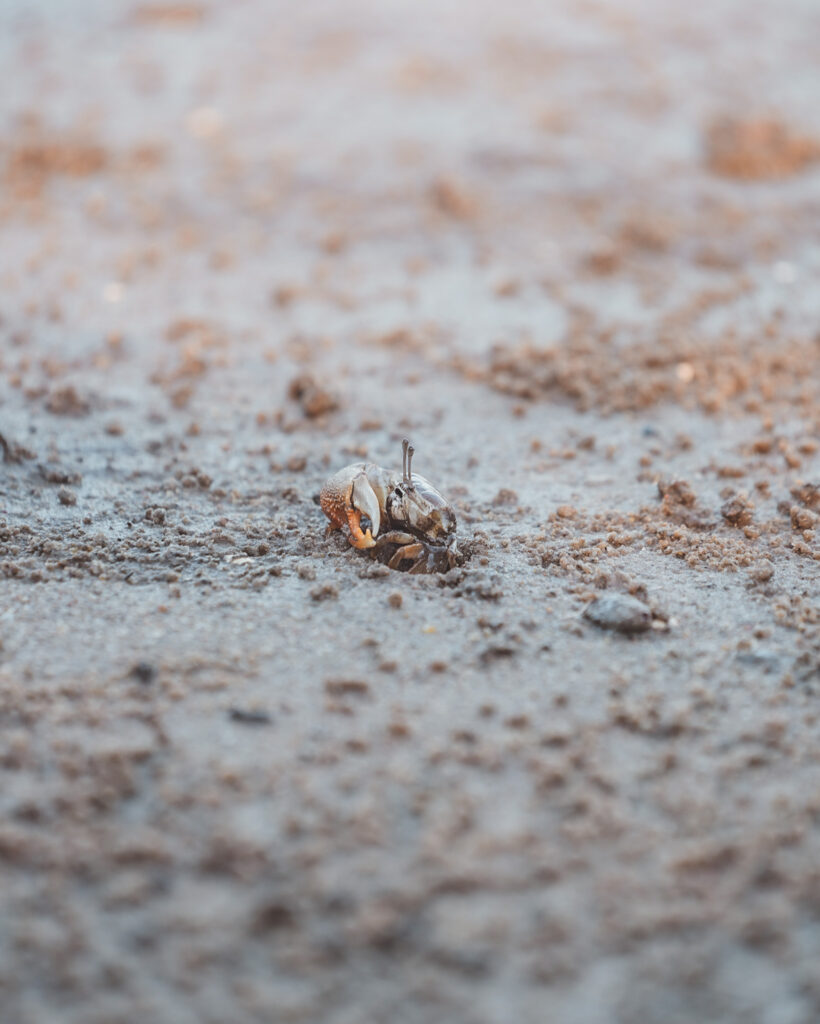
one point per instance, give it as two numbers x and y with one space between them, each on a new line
345 497
357 538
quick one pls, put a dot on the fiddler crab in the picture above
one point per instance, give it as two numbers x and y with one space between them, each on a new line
409 521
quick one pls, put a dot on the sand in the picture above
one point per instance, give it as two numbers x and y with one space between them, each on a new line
250 774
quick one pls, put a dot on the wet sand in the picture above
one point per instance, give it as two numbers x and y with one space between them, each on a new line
250 774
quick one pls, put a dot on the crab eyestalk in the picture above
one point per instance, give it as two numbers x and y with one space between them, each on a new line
407 453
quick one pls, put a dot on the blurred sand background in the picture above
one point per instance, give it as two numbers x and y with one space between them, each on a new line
249 774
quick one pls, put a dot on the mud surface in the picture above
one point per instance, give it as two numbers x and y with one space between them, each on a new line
249 774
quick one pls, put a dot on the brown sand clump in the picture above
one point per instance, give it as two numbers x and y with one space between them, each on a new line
30 165
581 546
179 15
452 198
738 511
679 505
594 539
198 346
761 149
13 452
313 399
66 401
808 495
713 375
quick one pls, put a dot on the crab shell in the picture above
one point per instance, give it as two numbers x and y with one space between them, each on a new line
365 489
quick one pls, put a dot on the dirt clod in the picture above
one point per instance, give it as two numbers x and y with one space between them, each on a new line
737 511
758 150
66 401
314 400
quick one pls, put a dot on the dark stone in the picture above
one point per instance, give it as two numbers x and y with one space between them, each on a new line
249 717
144 672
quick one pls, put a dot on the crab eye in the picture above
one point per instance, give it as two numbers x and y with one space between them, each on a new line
399 492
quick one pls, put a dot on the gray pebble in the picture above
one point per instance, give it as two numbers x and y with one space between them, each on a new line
620 612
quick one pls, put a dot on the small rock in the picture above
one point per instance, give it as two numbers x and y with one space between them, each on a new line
144 672
245 717
66 497
497 651
620 612
272 916
395 600
346 687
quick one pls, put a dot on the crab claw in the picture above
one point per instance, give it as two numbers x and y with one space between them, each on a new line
359 539
363 498
345 498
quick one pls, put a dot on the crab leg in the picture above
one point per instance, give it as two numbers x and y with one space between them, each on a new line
422 564
408 551
396 537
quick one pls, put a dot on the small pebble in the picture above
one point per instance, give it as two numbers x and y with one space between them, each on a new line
144 672
620 612
249 717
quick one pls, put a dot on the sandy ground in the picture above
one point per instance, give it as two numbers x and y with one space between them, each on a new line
250 774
